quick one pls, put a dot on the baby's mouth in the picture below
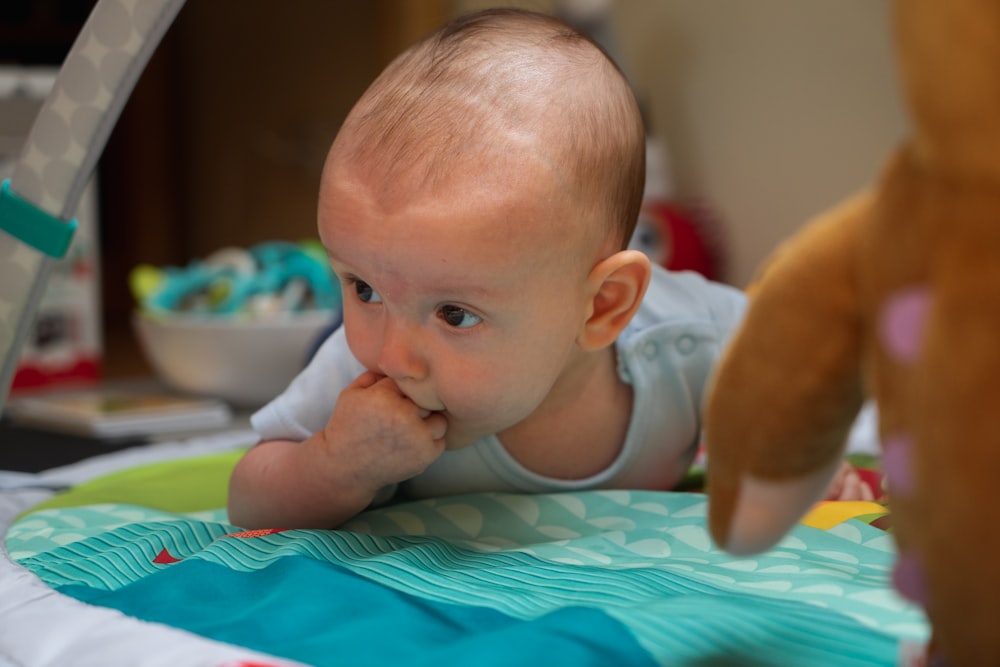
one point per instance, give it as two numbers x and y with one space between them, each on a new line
427 411
427 406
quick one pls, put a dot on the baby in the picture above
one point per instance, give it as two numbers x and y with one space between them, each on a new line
498 335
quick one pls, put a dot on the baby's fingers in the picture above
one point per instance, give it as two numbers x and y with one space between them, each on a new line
365 380
437 424
435 421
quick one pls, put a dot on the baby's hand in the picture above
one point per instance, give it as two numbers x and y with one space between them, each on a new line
848 485
380 435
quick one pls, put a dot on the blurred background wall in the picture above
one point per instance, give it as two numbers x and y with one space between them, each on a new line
771 109
768 110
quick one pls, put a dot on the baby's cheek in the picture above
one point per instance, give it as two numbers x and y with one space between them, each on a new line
488 396
501 410
362 347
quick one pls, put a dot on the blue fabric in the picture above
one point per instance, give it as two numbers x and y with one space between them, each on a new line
320 614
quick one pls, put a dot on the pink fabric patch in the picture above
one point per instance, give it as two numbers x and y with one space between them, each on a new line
904 317
908 577
897 465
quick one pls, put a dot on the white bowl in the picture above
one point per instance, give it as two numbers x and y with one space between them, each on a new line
244 362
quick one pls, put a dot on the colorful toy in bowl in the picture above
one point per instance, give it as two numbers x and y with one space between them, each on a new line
268 279
239 324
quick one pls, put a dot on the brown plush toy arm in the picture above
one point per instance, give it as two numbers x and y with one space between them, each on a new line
788 387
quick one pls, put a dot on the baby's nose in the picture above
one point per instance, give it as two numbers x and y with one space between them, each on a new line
400 357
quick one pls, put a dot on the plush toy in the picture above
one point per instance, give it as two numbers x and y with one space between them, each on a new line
893 295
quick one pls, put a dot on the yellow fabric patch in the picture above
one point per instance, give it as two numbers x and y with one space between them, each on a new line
830 513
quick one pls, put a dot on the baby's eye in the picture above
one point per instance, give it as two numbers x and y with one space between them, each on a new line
365 292
459 317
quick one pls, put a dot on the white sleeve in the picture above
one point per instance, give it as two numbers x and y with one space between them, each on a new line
305 406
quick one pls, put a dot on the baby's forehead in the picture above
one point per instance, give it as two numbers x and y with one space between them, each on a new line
522 194
514 177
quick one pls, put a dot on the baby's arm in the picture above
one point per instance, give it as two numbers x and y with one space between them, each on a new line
376 436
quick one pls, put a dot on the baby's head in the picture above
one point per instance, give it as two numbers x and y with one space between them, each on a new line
476 206
495 90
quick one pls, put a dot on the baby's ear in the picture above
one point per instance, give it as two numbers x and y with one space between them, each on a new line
616 286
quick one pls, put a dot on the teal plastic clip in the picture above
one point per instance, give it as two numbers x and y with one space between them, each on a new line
30 224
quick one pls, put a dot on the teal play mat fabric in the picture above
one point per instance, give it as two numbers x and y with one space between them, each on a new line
600 577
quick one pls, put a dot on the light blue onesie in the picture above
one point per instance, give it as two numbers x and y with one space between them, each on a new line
666 354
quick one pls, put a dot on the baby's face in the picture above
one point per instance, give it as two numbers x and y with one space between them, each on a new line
470 296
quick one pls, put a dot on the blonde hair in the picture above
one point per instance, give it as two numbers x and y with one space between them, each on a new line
533 75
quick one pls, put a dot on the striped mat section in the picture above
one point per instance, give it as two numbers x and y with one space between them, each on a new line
642 558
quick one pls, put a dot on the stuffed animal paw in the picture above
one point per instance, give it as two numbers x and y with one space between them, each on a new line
894 296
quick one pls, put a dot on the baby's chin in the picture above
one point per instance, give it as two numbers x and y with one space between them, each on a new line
458 438
462 434
451 444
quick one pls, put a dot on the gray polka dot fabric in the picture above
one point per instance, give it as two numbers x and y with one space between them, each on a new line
66 141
